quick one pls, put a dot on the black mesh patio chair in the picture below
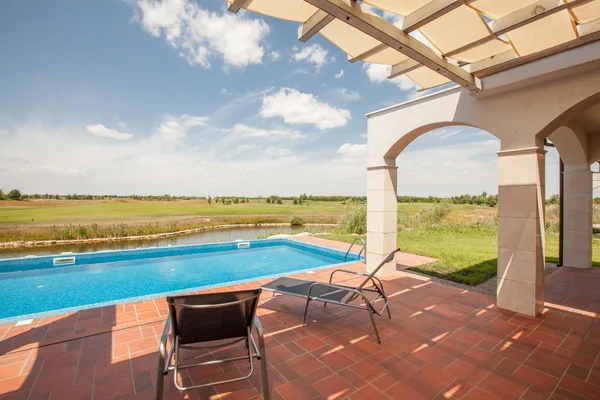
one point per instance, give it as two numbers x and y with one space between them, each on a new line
338 294
211 321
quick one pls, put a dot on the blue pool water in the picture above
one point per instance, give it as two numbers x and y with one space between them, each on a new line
34 287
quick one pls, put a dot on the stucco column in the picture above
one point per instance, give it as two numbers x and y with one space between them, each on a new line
521 230
382 214
578 216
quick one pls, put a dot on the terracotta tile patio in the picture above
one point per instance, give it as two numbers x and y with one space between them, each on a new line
441 343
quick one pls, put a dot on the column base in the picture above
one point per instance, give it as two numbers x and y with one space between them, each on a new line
521 297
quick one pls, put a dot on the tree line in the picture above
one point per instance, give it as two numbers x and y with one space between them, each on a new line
484 198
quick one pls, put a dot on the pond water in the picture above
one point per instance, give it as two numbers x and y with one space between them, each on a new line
221 235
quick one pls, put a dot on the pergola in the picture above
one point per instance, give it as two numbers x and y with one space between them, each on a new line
525 71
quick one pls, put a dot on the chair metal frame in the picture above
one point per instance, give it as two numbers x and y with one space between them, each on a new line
171 361
357 291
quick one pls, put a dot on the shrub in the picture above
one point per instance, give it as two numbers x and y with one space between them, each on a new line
14 194
296 221
354 220
426 217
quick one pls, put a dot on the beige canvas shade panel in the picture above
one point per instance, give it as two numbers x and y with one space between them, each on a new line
587 12
543 34
426 78
464 21
291 10
495 9
463 33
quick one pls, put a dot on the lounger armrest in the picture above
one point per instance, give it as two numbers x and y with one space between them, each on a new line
345 271
258 325
162 347
165 334
334 286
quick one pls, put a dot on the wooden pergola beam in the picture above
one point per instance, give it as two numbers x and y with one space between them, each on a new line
395 38
489 62
368 53
313 25
429 12
403 67
235 5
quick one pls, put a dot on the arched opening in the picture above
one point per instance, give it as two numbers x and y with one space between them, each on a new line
572 147
439 199
447 202
397 147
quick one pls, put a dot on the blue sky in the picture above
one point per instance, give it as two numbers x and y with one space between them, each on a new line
182 97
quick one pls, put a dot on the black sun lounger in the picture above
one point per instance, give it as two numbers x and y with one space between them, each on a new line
338 294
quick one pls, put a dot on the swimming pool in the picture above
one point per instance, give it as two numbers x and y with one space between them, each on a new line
34 287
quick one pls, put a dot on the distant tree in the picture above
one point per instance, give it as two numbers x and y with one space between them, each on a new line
553 199
269 200
236 201
295 202
2 195
14 194
209 199
279 201
492 201
57 197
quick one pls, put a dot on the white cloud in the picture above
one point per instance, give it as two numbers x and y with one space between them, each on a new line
352 150
241 130
246 147
274 56
378 73
339 74
175 128
122 124
224 91
460 167
313 54
351 154
48 170
3 132
200 35
278 151
303 108
252 151
349 95
102 131
145 165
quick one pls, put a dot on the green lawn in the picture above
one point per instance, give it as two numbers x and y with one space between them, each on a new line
114 210
466 255
83 211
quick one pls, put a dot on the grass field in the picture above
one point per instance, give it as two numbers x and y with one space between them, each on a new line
102 211
466 255
464 240
82 219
